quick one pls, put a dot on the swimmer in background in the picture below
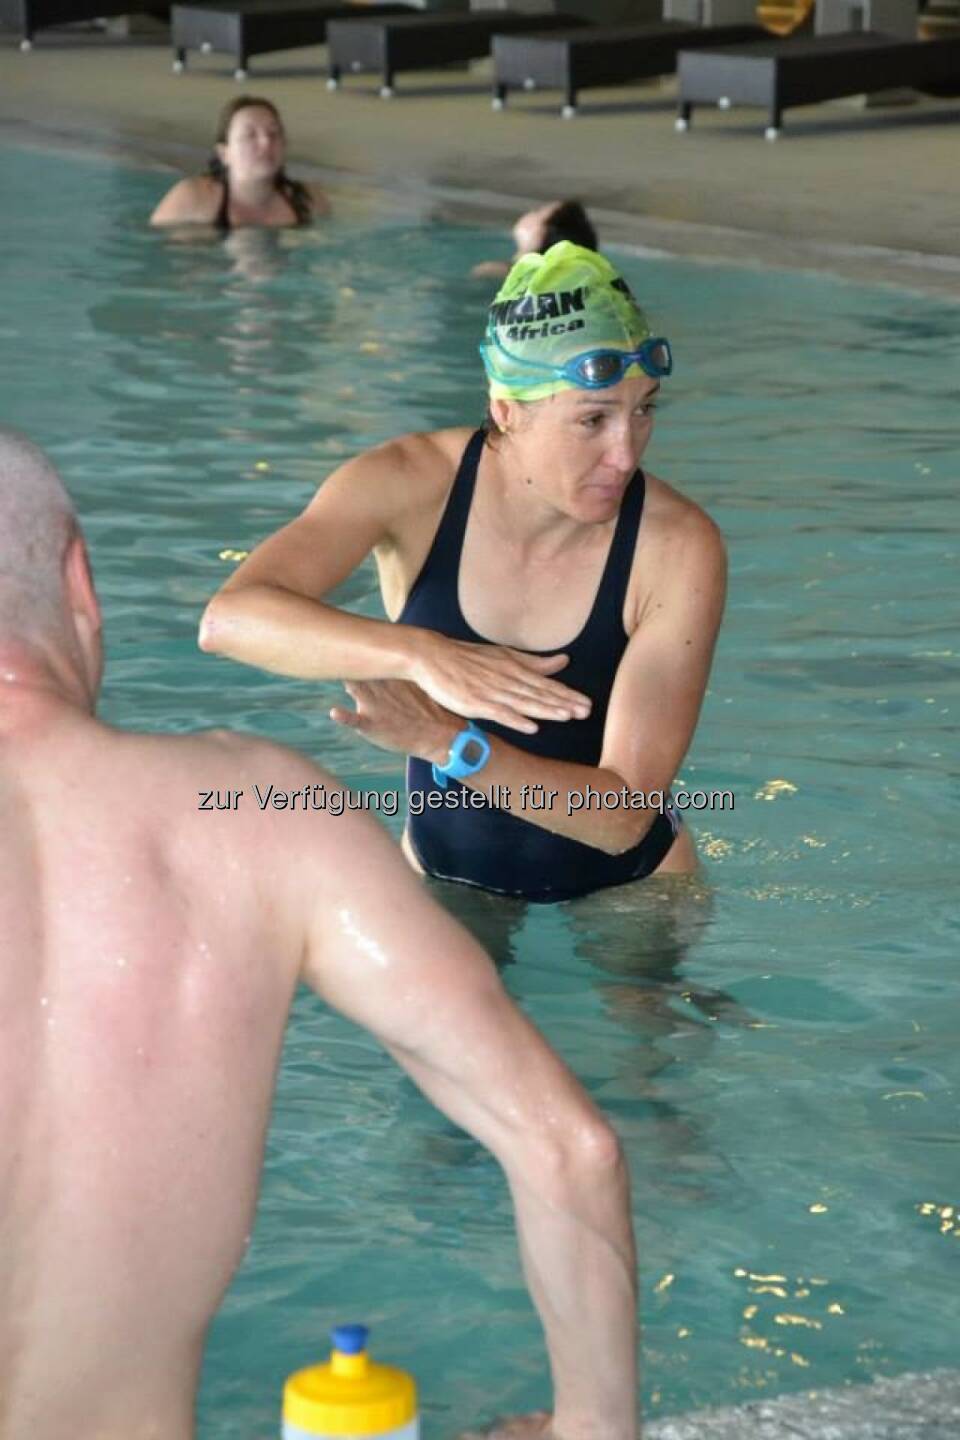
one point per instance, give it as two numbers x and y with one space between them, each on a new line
537 230
246 183
150 956
557 606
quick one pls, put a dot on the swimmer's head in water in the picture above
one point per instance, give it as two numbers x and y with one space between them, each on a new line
566 320
250 133
252 142
549 224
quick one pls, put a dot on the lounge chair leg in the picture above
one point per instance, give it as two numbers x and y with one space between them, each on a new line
499 97
684 116
333 77
529 83
240 74
386 89
569 108
724 103
205 47
26 44
179 61
772 131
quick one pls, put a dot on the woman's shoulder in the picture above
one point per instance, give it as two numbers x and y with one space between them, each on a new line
404 476
194 201
422 459
678 530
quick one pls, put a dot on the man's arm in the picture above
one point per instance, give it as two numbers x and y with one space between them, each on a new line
382 952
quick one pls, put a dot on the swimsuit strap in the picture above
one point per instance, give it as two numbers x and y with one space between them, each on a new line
611 593
442 565
222 219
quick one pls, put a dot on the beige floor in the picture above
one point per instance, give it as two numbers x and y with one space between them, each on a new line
866 193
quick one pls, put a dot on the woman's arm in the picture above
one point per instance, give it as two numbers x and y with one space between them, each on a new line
272 612
651 719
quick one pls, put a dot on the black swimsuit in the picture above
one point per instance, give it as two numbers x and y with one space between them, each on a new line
493 848
222 218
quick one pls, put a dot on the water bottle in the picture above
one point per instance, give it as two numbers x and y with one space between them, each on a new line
350 1396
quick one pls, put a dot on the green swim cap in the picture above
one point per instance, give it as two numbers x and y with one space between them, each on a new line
551 307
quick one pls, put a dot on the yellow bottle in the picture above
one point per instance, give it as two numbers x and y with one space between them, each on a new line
350 1396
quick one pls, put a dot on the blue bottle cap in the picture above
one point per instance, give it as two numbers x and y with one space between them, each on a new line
349 1339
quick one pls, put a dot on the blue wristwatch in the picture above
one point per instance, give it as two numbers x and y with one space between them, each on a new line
469 752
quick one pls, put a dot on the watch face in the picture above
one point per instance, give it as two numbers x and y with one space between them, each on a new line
472 751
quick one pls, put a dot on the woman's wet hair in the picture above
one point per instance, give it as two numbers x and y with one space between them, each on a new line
296 195
569 221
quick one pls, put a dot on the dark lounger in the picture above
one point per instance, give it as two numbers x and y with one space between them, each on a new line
28 16
419 42
255 27
781 73
602 55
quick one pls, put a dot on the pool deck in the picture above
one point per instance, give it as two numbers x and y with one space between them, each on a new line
864 193
908 1407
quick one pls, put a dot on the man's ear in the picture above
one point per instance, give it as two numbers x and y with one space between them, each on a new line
221 153
81 594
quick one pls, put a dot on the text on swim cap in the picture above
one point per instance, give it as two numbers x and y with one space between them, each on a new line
551 305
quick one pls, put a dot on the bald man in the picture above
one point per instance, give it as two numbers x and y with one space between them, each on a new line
150 951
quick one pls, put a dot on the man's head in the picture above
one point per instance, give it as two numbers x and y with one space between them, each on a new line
47 601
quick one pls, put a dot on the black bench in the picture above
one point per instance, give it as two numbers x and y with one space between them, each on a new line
600 55
256 27
782 73
419 42
28 16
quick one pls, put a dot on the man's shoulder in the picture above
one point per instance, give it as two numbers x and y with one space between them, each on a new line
214 761
220 752
236 799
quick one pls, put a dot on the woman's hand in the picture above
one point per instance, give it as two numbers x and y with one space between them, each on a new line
493 682
397 715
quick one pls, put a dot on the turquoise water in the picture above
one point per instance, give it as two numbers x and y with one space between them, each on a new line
779 1048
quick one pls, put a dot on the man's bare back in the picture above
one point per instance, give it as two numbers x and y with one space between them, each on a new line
151 949
148 975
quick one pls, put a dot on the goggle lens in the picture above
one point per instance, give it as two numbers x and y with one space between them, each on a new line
659 357
607 367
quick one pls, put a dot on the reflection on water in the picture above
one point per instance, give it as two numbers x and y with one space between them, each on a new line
776 1043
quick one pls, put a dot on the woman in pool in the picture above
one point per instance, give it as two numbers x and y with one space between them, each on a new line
557 607
246 183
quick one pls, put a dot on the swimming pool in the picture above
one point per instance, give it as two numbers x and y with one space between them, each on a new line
794 1158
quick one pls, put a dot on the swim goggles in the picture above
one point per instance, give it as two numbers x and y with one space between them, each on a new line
593 369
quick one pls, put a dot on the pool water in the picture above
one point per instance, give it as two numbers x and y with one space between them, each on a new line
777 1046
